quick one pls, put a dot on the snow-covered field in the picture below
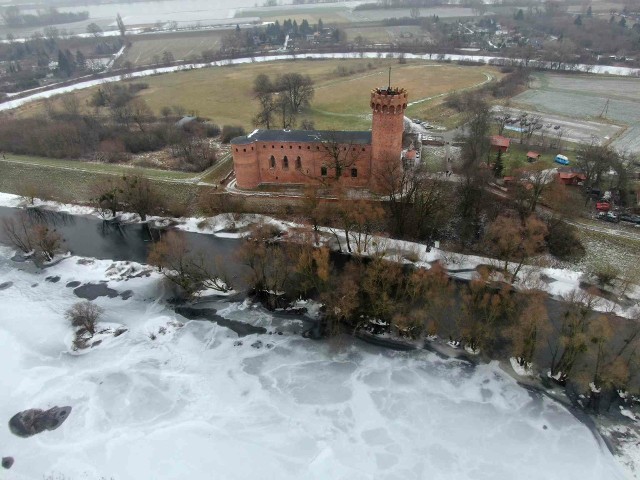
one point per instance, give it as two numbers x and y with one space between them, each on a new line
193 403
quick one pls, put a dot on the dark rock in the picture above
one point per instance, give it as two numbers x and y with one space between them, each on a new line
34 285
33 421
85 261
126 295
7 462
73 284
257 344
91 291
237 343
96 343
55 279
5 285
279 333
119 332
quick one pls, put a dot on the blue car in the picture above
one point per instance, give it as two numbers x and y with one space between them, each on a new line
562 160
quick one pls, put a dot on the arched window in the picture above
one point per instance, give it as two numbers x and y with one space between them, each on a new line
272 162
323 171
354 172
298 163
285 163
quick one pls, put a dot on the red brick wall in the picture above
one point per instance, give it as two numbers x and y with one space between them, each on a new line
254 167
244 164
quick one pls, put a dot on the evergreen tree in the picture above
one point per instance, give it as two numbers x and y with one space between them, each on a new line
589 12
320 25
498 167
578 20
519 15
81 61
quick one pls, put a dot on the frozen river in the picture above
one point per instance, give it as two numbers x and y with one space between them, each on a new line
196 404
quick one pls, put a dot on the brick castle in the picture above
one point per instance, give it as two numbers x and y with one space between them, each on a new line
306 157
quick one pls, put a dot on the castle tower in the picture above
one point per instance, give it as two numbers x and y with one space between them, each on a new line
388 105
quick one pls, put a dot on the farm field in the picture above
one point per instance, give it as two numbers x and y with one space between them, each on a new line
382 34
598 98
182 45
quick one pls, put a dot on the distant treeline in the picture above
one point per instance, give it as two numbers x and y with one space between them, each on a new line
399 4
51 16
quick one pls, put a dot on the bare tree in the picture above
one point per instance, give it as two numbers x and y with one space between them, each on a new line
338 155
140 195
297 89
189 270
512 240
84 315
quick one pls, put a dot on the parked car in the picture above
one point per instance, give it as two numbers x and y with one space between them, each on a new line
562 160
603 206
628 217
608 217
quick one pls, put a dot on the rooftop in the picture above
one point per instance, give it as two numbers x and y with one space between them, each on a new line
305 136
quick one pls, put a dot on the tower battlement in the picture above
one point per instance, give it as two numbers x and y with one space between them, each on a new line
389 100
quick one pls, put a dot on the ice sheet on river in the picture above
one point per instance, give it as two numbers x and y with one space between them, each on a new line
196 405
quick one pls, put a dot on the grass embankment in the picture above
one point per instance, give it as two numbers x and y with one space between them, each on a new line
71 181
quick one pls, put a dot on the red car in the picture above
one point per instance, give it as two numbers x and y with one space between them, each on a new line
603 206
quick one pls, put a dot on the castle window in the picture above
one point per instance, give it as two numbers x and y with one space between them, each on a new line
244 149
273 146
308 147
318 147
236 149
363 149
281 146
285 163
344 148
354 172
290 147
298 163
299 147
323 171
264 146
272 162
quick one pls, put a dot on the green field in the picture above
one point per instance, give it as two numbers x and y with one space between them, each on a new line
225 94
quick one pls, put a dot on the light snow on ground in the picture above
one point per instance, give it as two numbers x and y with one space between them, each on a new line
195 404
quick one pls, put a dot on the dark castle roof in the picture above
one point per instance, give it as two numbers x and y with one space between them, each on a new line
304 136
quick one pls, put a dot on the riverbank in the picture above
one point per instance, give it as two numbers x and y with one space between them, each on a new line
295 407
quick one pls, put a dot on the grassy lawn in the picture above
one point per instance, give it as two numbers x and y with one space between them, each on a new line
224 94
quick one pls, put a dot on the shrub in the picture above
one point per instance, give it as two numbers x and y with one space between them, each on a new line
604 272
563 241
231 131
84 315
212 130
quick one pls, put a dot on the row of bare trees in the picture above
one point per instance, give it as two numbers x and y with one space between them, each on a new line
26 231
281 100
